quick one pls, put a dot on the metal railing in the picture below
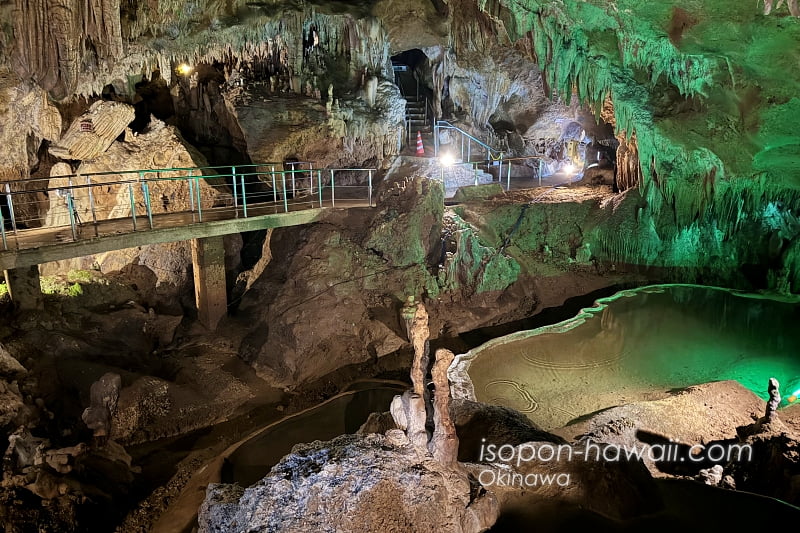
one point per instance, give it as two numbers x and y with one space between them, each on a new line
464 137
158 197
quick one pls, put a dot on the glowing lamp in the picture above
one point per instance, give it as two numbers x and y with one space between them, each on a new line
569 168
792 398
184 69
447 159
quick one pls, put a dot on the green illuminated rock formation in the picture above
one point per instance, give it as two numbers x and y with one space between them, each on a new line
706 89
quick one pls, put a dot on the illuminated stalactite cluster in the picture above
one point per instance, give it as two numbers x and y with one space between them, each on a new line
59 40
87 46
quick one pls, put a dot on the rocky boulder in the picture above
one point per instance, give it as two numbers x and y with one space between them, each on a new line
317 312
353 483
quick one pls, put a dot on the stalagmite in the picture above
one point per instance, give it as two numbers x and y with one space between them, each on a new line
418 334
774 399
409 410
444 442
103 394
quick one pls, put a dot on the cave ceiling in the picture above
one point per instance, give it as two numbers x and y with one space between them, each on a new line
707 87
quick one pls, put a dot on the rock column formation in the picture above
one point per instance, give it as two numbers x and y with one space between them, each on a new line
409 411
444 442
774 400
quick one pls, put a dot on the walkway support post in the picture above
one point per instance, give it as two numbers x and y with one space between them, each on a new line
25 288
208 260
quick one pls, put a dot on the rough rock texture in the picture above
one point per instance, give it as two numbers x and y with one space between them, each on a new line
444 443
699 414
158 147
159 273
344 135
353 483
10 368
24 111
410 24
479 424
617 490
355 289
103 395
92 133
57 40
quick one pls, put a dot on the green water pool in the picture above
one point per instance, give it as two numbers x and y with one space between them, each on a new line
638 345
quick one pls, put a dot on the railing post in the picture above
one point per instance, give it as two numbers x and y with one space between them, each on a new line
469 148
146 194
235 199
71 209
285 200
462 145
435 140
475 169
91 202
199 198
541 162
500 170
133 205
191 192
370 187
294 191
333 195
274 188
11 210
319 186
244 198
508 177
311 170
3 230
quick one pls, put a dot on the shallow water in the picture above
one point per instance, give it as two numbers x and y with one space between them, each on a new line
342 414
638 345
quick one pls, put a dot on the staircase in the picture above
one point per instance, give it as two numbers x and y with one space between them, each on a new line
416 112
417 121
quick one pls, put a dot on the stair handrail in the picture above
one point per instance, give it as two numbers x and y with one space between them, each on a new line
491 153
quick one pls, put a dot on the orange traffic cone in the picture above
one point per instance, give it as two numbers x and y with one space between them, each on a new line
420 148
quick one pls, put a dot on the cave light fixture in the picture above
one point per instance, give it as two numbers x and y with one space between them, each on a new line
184 69
446 159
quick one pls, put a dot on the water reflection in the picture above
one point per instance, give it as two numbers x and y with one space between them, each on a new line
637 345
